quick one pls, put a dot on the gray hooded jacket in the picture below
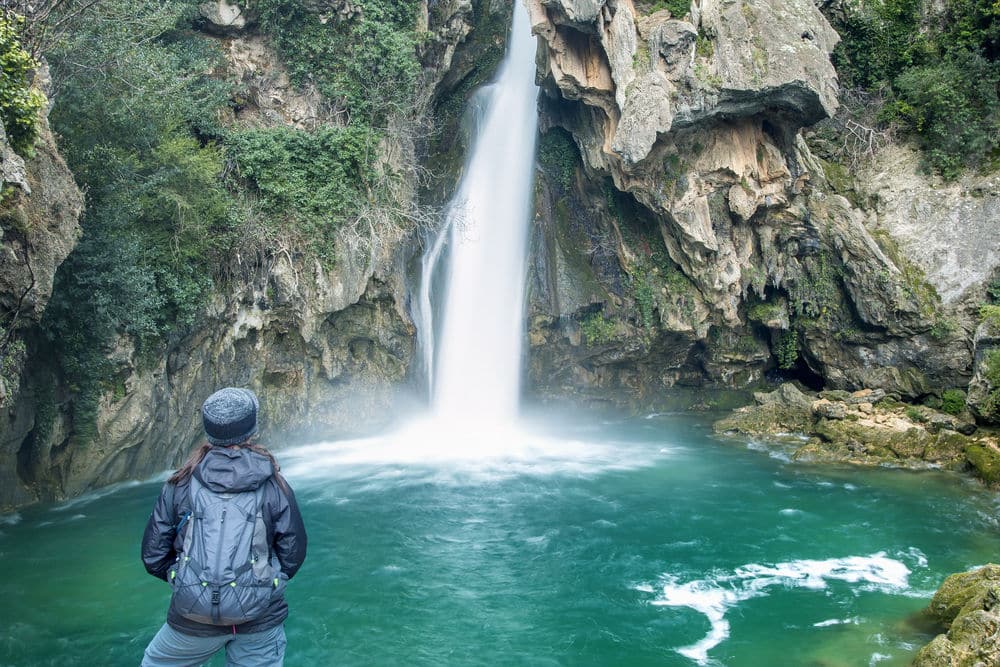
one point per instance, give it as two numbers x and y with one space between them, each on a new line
228 470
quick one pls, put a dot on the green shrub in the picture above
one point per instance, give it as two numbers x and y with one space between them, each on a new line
943 328
645 298
138 120
597 329
938 69
990 407
951 106
879 40
367 63
20 103
308 181
788 350
953 401
991 367
993 290
678 8
990 314
558 155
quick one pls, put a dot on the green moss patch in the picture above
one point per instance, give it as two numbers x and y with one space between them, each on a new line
985 461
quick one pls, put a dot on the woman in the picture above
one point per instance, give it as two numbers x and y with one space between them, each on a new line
237 600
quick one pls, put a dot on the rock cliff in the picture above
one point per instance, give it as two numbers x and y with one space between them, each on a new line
39 225
688 234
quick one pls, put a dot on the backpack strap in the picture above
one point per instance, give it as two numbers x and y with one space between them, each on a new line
260 548
194 486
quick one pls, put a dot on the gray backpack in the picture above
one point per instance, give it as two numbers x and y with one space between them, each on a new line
223 574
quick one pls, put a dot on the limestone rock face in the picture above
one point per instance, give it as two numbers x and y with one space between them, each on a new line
949 229
39 225
270 99
769 57
326 351
225 18
691 159
649 76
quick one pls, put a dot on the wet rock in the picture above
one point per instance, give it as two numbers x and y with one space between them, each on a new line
783 411
840 429
966 606
985 460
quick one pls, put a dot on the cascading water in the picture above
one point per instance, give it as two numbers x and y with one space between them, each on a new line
474 360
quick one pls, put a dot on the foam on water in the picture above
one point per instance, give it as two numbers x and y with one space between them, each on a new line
11 519
716 596
462 452
91 496
837 621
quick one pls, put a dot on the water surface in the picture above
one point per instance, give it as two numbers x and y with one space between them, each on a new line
640 542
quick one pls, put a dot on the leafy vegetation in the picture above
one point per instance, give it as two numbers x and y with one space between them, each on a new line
20 102
558 155
678 8
990 407
139 126
366 64
788 350
312 180
597 329
953 401
174 193
939 72
990 314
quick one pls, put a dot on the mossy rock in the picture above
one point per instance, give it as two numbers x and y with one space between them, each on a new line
963 592
986 462
940 653
966 604
948 448
879 443
818 451
770 419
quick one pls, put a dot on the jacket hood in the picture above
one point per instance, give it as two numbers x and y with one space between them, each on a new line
225 470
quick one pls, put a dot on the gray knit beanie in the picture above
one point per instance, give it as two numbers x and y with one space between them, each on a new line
230 416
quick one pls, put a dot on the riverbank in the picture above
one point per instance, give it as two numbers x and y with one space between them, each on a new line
869 428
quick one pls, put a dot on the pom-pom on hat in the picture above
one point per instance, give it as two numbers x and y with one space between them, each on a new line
230 416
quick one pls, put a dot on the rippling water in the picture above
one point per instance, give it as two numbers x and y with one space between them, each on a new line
640 542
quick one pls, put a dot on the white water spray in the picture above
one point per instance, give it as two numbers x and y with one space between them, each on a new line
474 360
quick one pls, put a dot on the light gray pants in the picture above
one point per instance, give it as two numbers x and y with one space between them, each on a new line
171 648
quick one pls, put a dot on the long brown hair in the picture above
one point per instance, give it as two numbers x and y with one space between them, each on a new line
204 448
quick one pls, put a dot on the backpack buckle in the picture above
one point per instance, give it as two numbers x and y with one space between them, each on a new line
215 596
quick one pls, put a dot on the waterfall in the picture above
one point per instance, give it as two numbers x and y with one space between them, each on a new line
473 357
